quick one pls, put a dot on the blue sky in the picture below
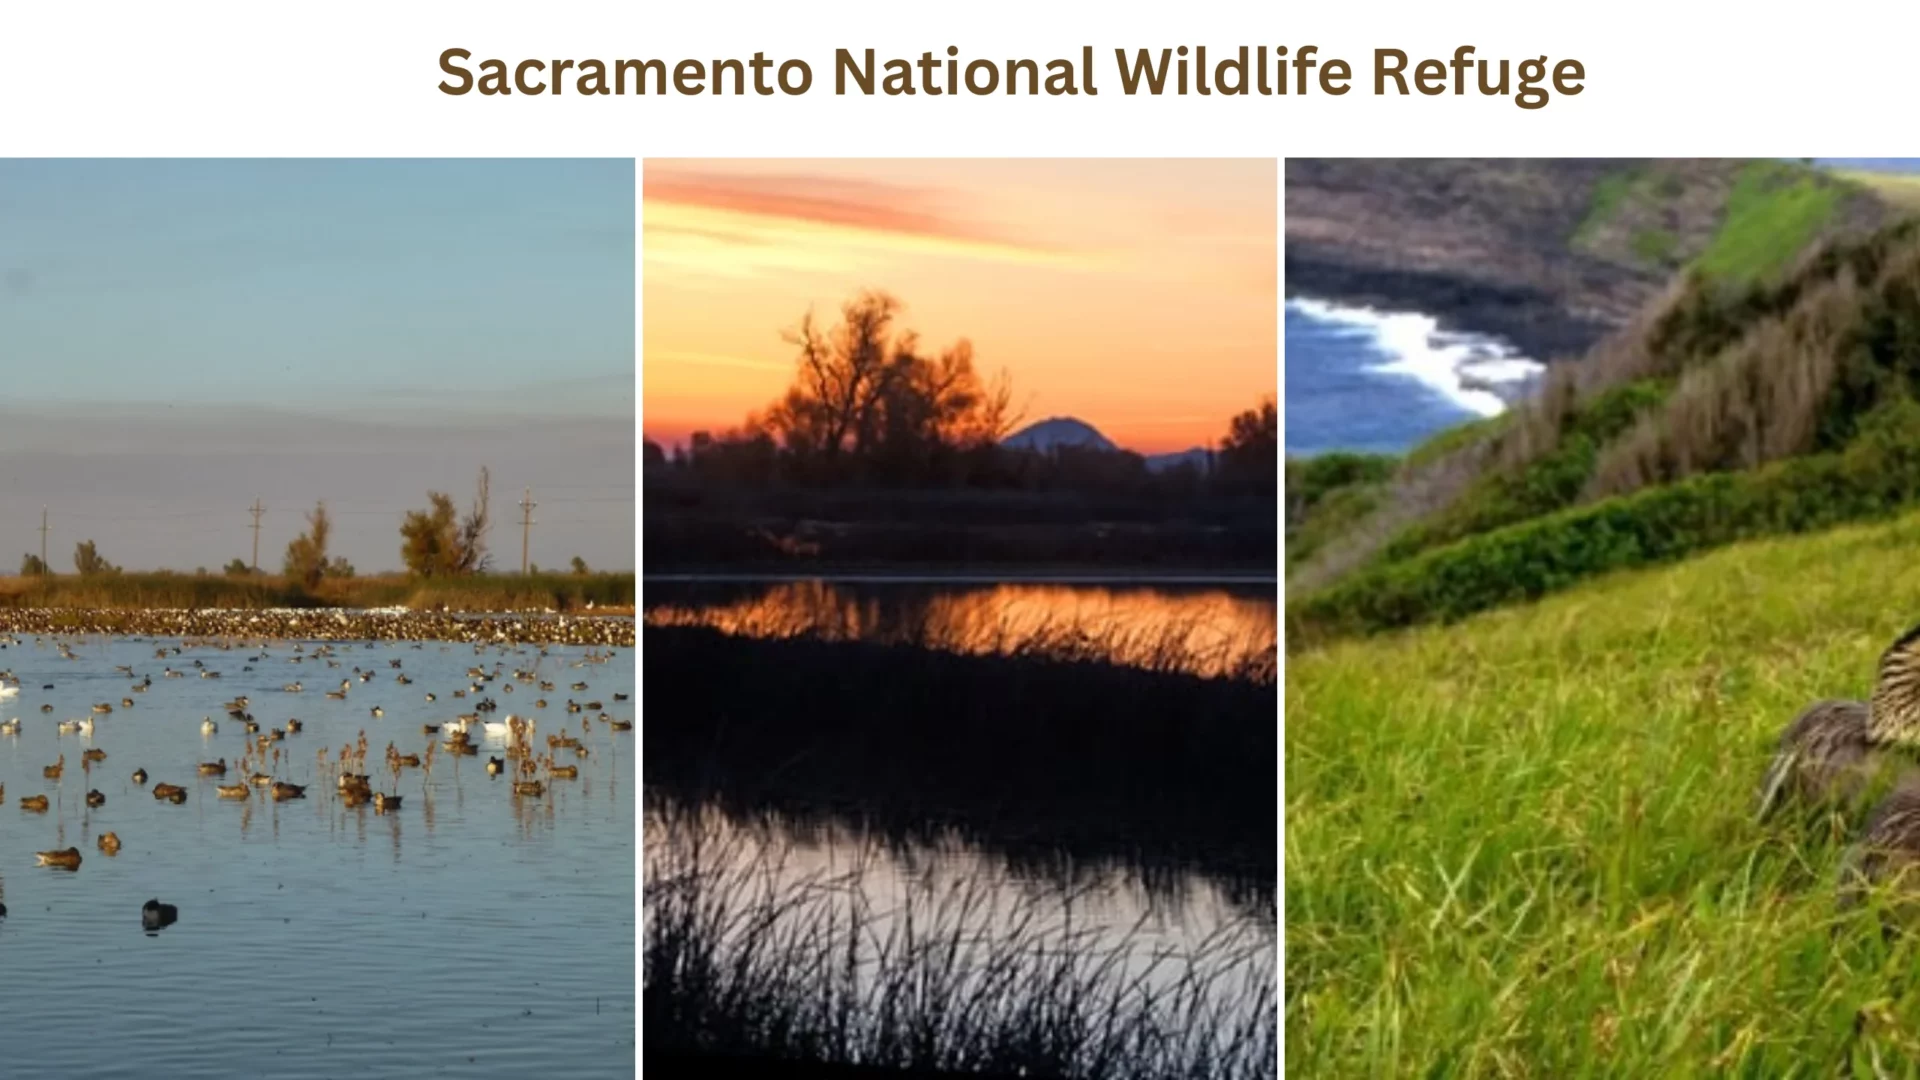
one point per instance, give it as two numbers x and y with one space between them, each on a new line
171 329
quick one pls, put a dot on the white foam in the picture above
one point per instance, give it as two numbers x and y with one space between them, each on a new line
1458 366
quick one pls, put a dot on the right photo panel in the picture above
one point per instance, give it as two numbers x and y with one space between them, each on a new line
1602 679
960 616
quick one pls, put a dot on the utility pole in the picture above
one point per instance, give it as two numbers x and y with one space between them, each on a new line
526 527
256 510
44 568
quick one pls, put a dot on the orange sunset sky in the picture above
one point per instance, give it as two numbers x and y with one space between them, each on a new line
1137 295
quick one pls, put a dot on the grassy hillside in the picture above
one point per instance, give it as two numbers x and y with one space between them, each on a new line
1732 408
1522 845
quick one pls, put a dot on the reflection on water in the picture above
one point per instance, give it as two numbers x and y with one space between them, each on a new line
467 932
794 889
1207 631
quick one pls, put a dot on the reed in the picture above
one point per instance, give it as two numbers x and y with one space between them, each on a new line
742 958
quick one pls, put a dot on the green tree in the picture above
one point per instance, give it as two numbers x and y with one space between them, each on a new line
437 542
31 566
88 560
580 565
306 560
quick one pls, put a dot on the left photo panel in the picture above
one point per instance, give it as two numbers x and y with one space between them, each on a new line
317 660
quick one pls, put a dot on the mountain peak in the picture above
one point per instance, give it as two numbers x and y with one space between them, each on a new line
1055 432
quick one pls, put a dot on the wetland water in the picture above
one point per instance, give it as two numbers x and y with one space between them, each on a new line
470 932
831 864
1207 628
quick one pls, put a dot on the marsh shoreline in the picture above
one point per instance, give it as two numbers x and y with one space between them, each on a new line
325 624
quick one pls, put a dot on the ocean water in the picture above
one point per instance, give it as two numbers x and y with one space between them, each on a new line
1359 379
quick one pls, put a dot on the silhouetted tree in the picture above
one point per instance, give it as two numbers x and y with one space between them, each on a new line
579 565
306 560
88 560
651 454
31 566
237 568
1250 455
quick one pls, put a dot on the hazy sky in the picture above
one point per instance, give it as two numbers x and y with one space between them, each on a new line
178 337
1137 295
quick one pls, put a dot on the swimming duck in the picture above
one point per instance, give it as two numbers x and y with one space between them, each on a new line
36 803
233 791
528 787
53 771
10 727
563 772
167 791
495 766
94 754
620 725
214 768
377 712
259 779
208 727
293 726
139 776
95 798
109 843
284 791
68 859
383 802
155 915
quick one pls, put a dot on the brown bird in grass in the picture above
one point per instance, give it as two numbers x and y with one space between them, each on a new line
1837 753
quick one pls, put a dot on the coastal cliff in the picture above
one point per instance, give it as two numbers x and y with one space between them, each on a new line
1550 254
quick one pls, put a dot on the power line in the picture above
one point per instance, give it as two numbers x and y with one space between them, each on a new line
526 527
43 542
256 510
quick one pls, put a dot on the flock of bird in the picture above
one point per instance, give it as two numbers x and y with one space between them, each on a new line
264 764
1861 758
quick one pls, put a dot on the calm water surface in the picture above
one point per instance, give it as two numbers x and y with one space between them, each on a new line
469 933
1203 628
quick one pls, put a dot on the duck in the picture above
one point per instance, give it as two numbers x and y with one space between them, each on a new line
109 843
294 726
155 915
208 727
168 791
410 761
214 768
259 779
95 798
233 791
563 772
383 802
10 727
529 787
35 803
53 771
93 754
66 859
103 707
495 766
620 725
139 776
284 791
377 712
1836 752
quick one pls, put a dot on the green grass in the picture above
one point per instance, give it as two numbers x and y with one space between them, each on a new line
1608 196
1655 245
1521 845
1774 211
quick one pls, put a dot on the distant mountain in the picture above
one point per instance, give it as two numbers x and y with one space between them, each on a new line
1055 432
1199 457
